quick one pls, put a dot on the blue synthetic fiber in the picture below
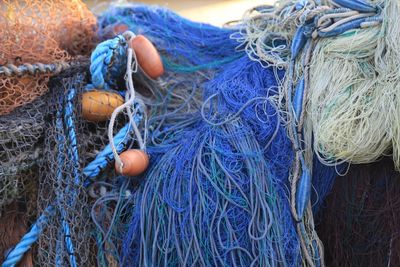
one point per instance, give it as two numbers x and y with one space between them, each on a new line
217 189
108 63
206 182
183 43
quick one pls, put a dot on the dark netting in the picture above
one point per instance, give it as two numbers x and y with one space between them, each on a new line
20 149
70 143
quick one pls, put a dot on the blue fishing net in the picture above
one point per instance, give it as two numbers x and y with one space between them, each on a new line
187 46
216 190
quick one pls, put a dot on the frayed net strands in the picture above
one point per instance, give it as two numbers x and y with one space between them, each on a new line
215 193
353 94
187 46
216 190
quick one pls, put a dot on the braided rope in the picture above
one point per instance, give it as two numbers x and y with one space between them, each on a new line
107 61
106 155
28 239
60 159
69 118
32 69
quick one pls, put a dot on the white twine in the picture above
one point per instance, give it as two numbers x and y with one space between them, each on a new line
130 99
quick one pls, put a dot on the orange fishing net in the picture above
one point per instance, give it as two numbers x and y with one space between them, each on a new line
40 31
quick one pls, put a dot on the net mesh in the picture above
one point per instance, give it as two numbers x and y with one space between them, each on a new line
61 180
57 182
20 150
33 31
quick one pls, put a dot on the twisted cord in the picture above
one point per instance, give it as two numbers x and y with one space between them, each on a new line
28 239
131 68
69 118
32 69
108 61
121 140
60 162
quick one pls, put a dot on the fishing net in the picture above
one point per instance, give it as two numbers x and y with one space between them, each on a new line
215 192
39 39
21 134
70 143
359 226
39 32
232 181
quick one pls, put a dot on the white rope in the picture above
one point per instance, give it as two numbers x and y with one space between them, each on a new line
130 100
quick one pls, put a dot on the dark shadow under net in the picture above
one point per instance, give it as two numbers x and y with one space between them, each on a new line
360 224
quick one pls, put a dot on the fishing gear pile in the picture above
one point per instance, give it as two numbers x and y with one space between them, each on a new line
139 138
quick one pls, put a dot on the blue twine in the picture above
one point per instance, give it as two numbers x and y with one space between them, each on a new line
184 44
108 62
217 187
359 5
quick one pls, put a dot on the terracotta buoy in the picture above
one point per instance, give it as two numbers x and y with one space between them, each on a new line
147 56
99 105
135 162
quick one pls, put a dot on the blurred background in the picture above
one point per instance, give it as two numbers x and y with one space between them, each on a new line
216 12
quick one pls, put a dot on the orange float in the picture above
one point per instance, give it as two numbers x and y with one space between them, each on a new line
147 56
135 162
99 105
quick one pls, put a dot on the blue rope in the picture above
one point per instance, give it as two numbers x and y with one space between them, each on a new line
28 239
73 153
64 223
105 156
108 61
69 117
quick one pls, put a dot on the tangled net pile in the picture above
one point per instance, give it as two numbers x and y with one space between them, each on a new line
242 136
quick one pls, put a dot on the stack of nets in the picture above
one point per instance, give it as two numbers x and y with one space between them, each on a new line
21 136
224 136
